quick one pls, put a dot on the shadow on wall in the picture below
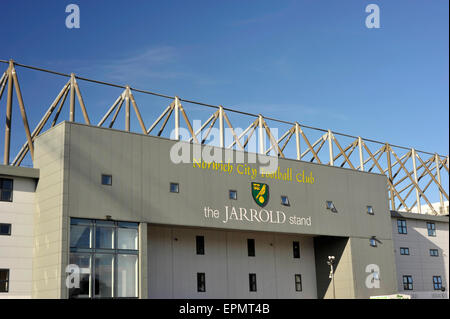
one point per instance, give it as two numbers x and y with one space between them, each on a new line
325 246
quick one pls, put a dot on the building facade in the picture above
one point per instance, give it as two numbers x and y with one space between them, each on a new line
106 213
17 203
421 254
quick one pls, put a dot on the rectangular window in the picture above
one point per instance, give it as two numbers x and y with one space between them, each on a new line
370 210
437 282
285 201
127 236
106 253
200 243
104 274
251 247
6 190
174 188
233 194
106 179
201 282
401 226
298 282
252 282
431 227
5 229
404 251
434 252
104 235
296 249
407 282
4 280
81 233
330 206
84 264
127 275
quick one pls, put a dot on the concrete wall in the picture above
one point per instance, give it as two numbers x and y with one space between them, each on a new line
16 251
142 171
419 264
173 264
72 158
340 248
365 259
50 255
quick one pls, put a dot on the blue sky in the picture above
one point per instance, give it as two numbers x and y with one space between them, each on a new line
313 62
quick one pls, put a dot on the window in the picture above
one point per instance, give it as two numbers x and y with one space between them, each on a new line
4 280
106 179
6 190
174 188
285 201
407 282
370 210
104 234
437 282
434 252
251 247
296 249
298 282
330 206
83 262
373 242
201 282
127 236
431 227
404 251
401 226
252 282
5 229
233 194
106 253
200 243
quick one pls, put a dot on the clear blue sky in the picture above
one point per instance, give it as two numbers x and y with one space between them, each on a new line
309 61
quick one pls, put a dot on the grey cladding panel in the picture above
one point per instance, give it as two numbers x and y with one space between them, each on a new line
142 170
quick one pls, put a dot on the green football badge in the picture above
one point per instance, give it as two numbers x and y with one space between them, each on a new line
260 193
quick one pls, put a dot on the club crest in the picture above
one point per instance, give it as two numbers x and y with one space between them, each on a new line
260 193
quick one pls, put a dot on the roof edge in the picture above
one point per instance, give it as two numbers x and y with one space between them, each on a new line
18 171
440 218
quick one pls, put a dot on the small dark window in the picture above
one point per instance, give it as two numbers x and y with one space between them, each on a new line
233 194
285 201
201 282
407 282
252 282
200 241
437 282
330 206
251 247
434 252
4 280
106 179
431 227
298 282
370 210
401 226
5 229
6 190
404 251
174 188
296 248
